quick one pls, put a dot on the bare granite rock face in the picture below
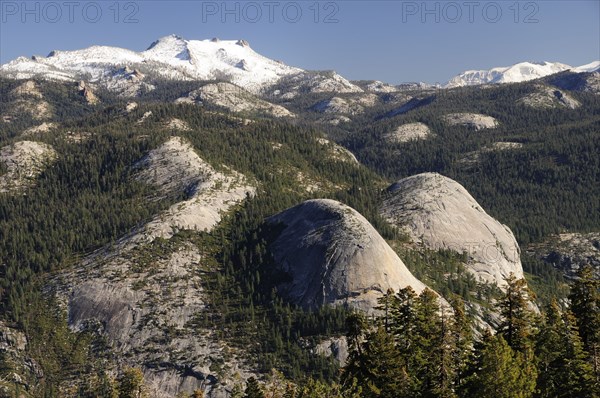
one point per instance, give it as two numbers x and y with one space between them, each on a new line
569 252
474 120
439 213
337 120
293 85
28 88
24 161
336 347
586 82
175 167
380 87
234 99
41 128
177 125
348 105
88 94
338 105
145 294
334 256
549 97
408 132
338 152
146 308
20 371
28 101
471 158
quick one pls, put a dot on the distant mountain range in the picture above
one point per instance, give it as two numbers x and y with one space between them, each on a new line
175 58
520 72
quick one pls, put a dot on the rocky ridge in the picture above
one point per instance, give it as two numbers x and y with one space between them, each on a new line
408 132
145 292
473 120
24 161
234 99
548 97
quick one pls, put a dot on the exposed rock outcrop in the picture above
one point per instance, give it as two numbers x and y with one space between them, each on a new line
127 82
41 128
177 125
569 252
338 152
146 308
131 106
336 347
235 99
408 132
175 167
146 301
439 213
473 120
87 93
36 109
28 88
312 82
548 97
28 100
380 87
19 370
586 82
332 255
24 161
473 157
347 106
337 120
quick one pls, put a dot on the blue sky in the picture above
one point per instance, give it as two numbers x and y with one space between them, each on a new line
393 41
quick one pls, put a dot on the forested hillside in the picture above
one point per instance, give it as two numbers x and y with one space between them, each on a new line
541 335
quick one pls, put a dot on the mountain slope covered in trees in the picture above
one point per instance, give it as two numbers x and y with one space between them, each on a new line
79 208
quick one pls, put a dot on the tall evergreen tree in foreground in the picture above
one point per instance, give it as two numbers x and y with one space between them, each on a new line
253 389
517 318
383 374
500 371
585 304
562 367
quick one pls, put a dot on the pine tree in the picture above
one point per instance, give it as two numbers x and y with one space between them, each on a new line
429 353
404 316
355 326
403 326
562 367
131 384
253 389
577 372
382 374
516 325
462 341
385 304
548 351
445 369
585 304
106 386
500 372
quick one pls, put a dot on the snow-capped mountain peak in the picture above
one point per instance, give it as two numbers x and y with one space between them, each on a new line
591 67
520 72
171 57
171 46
